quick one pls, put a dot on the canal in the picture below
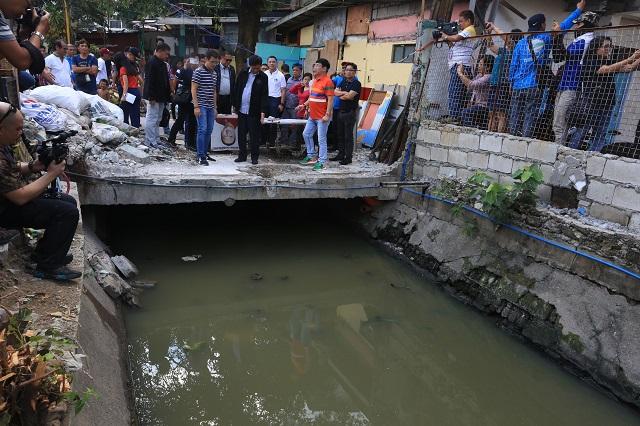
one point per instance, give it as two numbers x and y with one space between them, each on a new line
284 314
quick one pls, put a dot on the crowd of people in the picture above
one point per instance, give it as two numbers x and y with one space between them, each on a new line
514 87
204 85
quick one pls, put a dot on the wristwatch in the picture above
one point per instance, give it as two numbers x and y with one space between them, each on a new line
39 34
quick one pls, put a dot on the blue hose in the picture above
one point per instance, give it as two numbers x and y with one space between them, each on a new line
531 235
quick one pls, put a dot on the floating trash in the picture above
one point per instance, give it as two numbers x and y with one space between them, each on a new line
192 258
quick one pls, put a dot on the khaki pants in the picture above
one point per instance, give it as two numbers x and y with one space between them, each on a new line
564 100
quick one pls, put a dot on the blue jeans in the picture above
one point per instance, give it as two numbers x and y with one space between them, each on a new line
525 107
205 128
457 91
598 123
475 116
307 134
152 123
132 111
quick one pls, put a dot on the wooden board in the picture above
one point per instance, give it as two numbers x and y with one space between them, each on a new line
358 18
312 57
330 53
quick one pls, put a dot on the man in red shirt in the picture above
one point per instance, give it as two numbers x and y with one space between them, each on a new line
320 106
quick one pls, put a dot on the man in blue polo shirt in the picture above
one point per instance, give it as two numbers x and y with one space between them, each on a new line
85 68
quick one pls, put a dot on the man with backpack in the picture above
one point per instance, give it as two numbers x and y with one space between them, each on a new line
530 72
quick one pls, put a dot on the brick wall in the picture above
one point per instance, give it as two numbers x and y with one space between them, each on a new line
608 186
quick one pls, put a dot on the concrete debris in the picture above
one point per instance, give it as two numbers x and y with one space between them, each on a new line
256 276
125 266
134 154
143 284
192 258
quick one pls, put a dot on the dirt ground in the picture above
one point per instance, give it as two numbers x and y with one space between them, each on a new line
54 305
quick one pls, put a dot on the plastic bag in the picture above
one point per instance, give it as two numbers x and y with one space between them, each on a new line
47 116
107 134
63 97
100 107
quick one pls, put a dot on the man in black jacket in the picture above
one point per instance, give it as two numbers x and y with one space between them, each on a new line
225 83
157 92
251 101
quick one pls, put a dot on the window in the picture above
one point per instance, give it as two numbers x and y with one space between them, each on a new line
402 53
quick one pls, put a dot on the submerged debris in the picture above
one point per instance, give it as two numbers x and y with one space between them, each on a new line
192 258
256 276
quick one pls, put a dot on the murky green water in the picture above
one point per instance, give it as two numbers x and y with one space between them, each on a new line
323 337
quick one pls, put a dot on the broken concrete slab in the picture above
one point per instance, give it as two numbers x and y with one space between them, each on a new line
125 266
135 154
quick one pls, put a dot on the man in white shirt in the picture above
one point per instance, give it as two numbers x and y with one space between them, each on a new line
103 65
460 53
277 97
60 69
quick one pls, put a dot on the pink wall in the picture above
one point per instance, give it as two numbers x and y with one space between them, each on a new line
403 28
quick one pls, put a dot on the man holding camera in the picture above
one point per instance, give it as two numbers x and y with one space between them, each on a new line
460 53
26 54
24 202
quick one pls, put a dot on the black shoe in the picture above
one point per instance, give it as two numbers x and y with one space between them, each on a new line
345 161
337 158
239 160
210 158
203 162
8 235
67 259
254 161
62 273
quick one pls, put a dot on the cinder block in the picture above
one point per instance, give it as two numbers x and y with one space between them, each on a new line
491 143
609 213
626 198
449 172
547 172
428 135
542 151
430 171
469 141
517 164
622 171
449 139
500 164
439 154
544 193
515 147
600 192
457 157
422 152
477 160
463 175
634 222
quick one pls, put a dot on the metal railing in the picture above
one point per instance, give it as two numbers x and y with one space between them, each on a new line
579 89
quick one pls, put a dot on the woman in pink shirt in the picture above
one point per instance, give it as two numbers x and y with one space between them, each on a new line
477 114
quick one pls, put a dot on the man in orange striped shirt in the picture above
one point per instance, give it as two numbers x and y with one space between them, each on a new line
320 106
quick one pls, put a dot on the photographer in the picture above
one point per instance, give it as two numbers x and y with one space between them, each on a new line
460 53
24 203
26 54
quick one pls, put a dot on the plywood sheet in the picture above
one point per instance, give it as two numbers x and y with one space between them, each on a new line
358 18
330 53
310 59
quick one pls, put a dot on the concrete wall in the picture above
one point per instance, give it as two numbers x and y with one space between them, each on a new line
552 298
608 186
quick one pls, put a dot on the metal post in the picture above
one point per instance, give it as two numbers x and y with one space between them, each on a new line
67 21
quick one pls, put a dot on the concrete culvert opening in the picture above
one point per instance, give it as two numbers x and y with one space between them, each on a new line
284 312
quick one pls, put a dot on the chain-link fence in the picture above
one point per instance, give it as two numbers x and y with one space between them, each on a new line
577 88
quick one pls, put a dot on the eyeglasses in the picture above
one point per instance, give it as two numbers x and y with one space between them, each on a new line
12 110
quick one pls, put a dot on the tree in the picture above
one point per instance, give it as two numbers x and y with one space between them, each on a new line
249 13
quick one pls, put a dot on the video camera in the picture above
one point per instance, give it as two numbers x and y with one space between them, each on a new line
54 149
448 28
28 20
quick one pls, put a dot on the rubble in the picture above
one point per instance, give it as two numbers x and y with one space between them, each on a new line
125 266
134 154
